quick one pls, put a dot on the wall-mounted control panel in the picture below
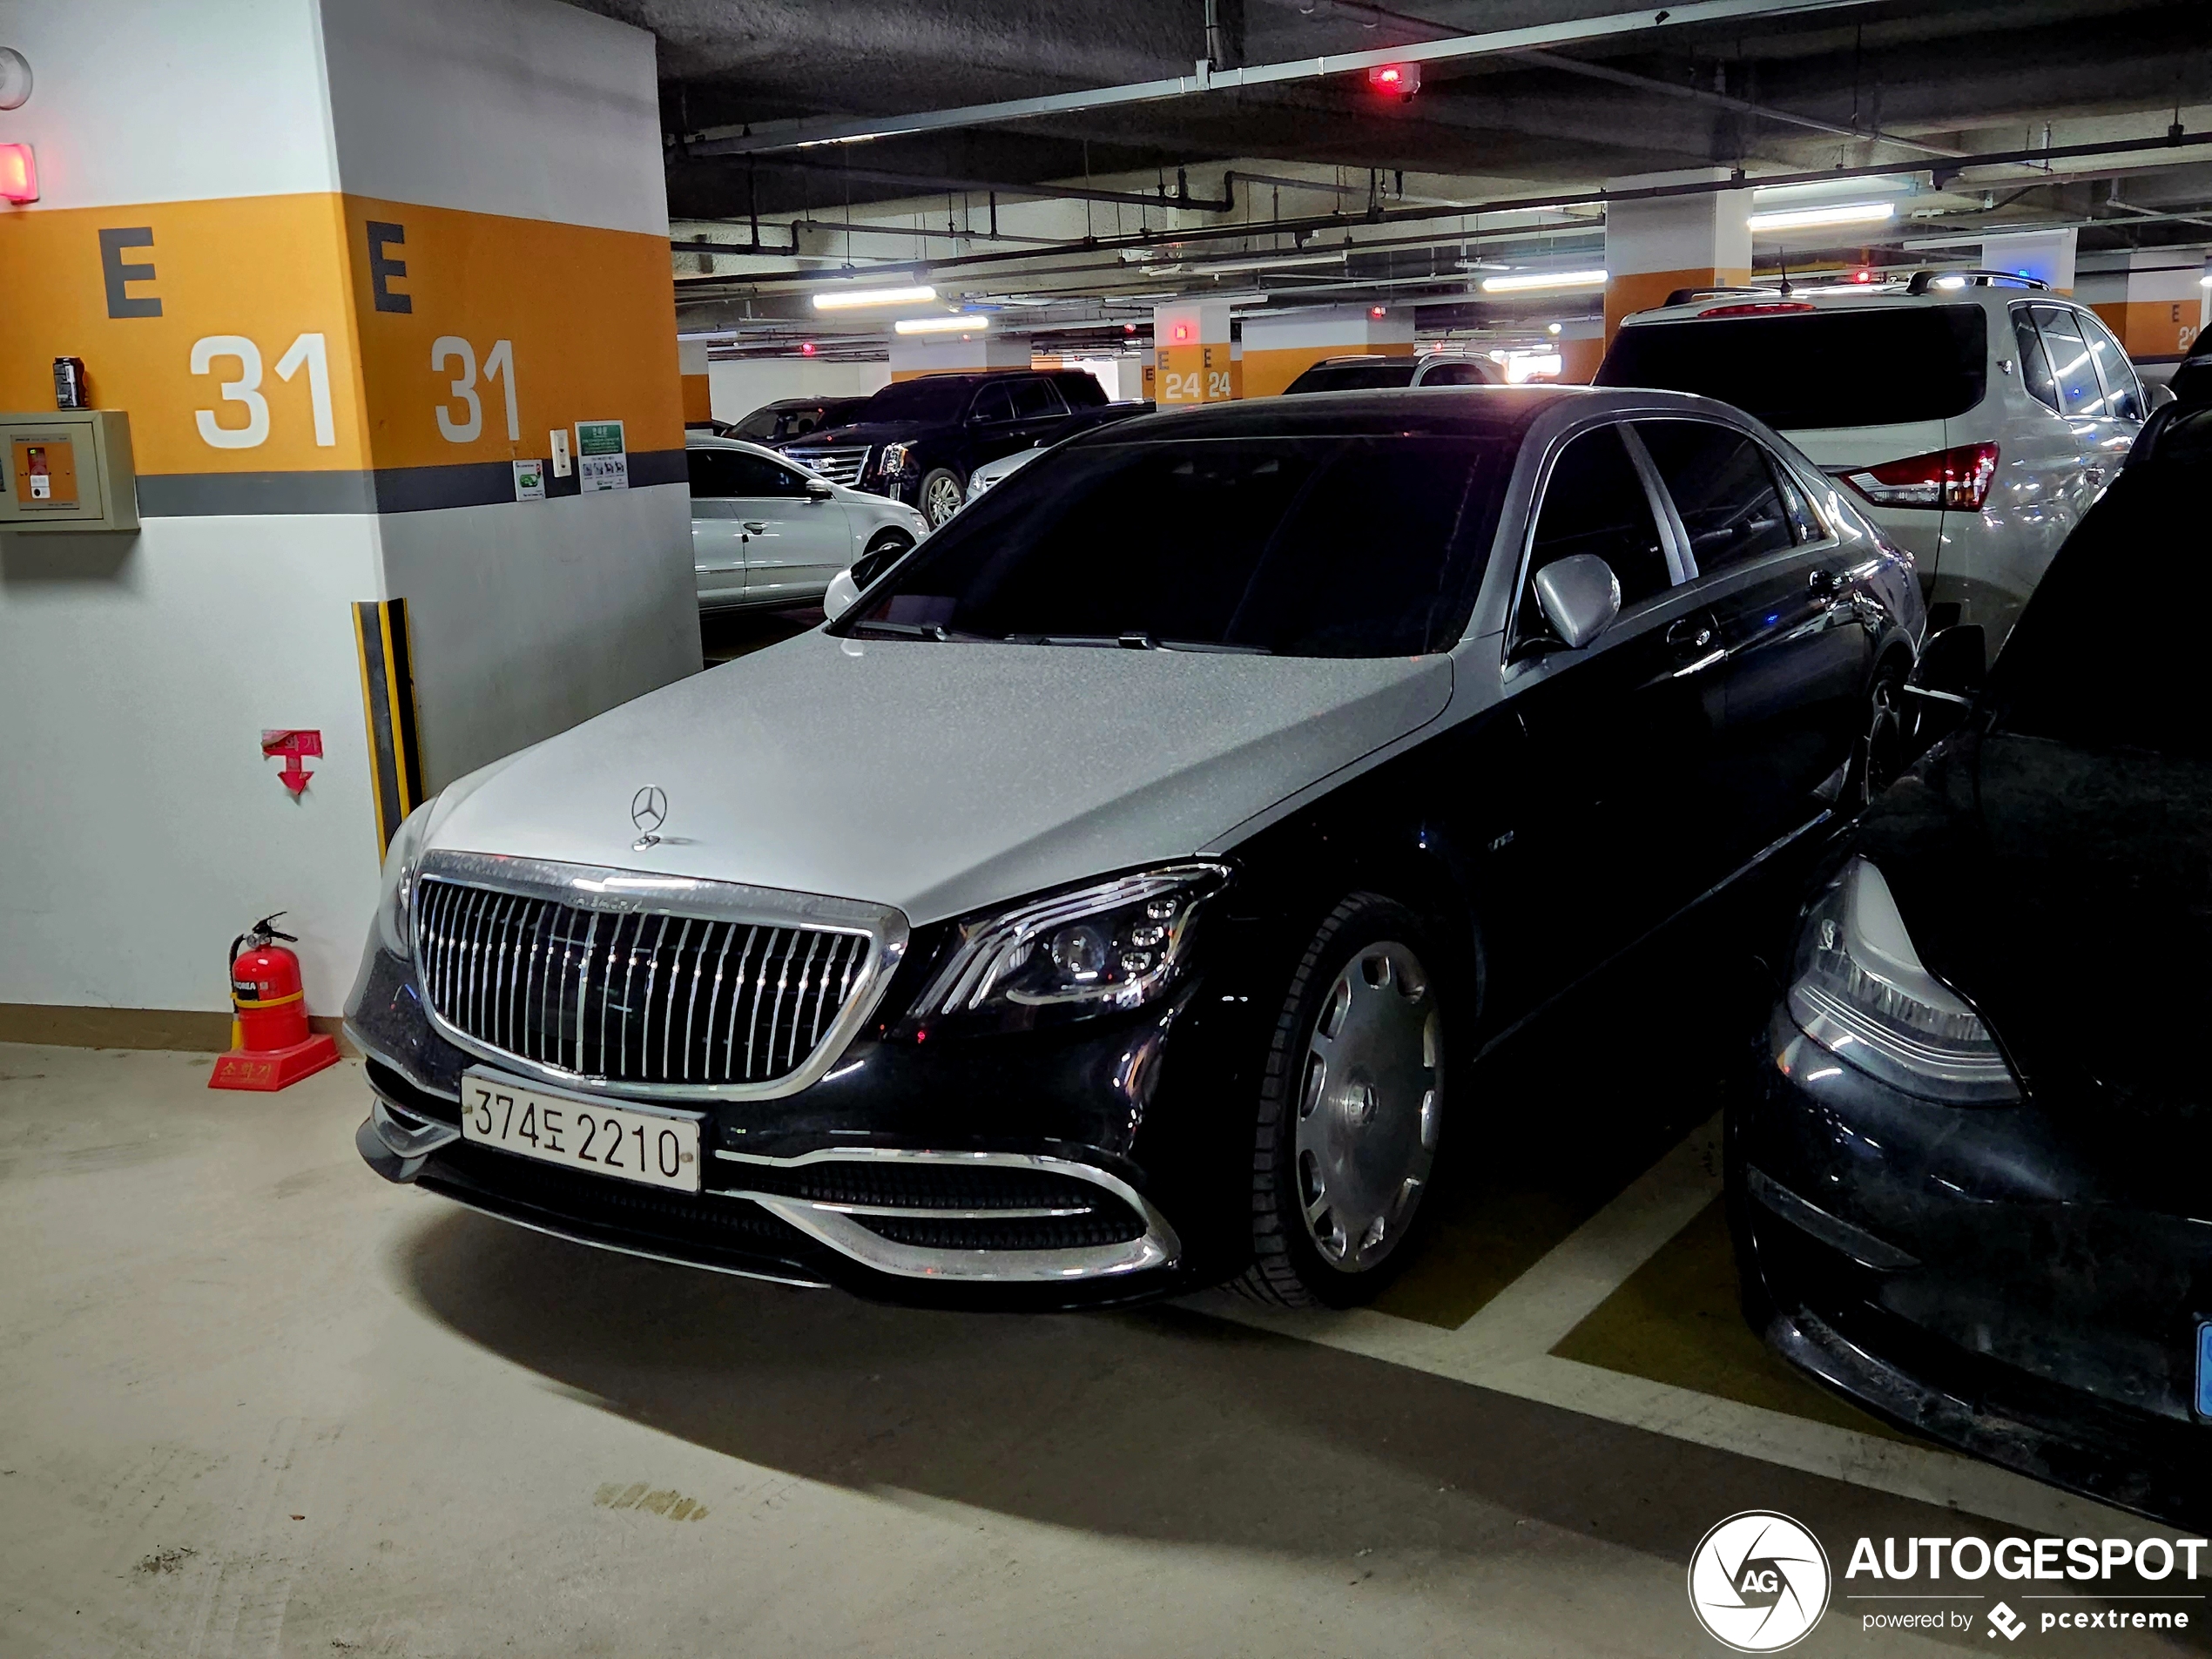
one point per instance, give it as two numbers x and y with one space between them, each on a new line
67 471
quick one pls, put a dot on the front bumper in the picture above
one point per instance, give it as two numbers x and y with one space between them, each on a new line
1000 1172
1958 1272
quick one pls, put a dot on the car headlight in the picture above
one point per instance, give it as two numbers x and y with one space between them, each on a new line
893 459
397 898
1111 945
1859 990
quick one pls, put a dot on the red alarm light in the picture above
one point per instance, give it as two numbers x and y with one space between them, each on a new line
1395 80
1182 331
806 350
18 173
1377 312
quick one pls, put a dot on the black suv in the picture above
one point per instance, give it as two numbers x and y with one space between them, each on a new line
918 439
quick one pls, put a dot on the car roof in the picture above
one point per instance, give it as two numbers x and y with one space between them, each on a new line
1801 302
1447 411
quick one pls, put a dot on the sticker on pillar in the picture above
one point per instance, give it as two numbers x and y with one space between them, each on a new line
601 461
560 438
292 746
530 481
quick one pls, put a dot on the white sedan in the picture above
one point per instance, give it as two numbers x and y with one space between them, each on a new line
768 533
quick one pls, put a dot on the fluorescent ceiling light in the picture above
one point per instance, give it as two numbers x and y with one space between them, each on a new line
1806 218
850 298
1543 281
942 325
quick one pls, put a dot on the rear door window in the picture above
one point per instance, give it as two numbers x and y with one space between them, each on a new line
1036 401
2123 392
1455 375
993 404
2079 390
1723 489
2035 362
1594 502
1868 365
719 474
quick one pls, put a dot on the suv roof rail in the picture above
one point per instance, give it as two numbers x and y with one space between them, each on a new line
1685 296
1923 281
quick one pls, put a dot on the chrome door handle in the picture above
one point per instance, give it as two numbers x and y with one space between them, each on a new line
1827 581
755 526
2095 475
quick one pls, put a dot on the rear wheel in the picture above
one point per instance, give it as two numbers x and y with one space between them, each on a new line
1351 1110
941 494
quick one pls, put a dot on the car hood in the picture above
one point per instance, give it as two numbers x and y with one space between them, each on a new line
870 434
943 777
2067 894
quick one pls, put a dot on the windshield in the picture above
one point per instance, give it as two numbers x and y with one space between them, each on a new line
1877 365
2063 675
1355 377
1304 546
930 398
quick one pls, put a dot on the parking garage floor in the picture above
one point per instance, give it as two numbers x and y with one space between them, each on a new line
257 1402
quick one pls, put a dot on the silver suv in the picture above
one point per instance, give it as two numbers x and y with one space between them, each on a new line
1976 414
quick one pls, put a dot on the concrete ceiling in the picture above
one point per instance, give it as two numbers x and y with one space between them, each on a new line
1976 76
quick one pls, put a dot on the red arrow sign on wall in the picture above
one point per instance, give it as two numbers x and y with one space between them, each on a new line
293 747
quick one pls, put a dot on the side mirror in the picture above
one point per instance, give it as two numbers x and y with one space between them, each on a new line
819 489
843 590
1953 665
1580 596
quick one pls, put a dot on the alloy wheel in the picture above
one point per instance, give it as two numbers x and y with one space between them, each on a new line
1370 1107
942 500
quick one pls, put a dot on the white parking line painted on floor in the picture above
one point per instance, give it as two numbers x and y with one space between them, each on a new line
1505 1346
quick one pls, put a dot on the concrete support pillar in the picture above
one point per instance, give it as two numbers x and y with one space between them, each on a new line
913 355
697 390
1281 346
2155 302
2047 255
348 270
1190 349
1655 246
1581 348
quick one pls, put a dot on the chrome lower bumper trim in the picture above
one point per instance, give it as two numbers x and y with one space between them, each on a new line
633 1250
835 1226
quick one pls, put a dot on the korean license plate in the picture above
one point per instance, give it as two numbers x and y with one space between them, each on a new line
658 1149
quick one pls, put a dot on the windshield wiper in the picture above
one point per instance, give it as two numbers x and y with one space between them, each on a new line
1136 639
931 630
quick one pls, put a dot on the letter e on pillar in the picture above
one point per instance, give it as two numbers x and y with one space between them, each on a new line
382 268
118 275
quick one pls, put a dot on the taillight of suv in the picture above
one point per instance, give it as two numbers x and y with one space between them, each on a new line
1954 478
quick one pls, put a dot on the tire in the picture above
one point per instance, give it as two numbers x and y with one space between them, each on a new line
941 493
1878 753
887 547
1351 1109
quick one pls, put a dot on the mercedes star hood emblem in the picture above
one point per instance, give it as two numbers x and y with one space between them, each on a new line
648 810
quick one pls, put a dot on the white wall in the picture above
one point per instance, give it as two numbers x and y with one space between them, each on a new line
140 827
740 386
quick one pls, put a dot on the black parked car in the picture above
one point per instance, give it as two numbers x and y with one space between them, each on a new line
1151 935
918 439
1969 1183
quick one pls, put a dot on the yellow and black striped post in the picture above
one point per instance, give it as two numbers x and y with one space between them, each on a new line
388 698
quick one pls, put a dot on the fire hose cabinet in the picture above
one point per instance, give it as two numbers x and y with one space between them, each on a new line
69 469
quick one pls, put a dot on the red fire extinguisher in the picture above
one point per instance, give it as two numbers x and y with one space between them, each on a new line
272 1043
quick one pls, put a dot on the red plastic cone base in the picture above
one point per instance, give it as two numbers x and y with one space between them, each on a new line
273 1068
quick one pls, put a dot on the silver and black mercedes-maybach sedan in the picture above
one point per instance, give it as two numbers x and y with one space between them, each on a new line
1083 914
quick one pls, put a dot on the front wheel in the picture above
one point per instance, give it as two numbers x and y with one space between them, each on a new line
1878 754
1351 1110
941 495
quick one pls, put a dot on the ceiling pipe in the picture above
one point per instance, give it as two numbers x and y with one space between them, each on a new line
928 184
1373 15
758 138
2174 139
